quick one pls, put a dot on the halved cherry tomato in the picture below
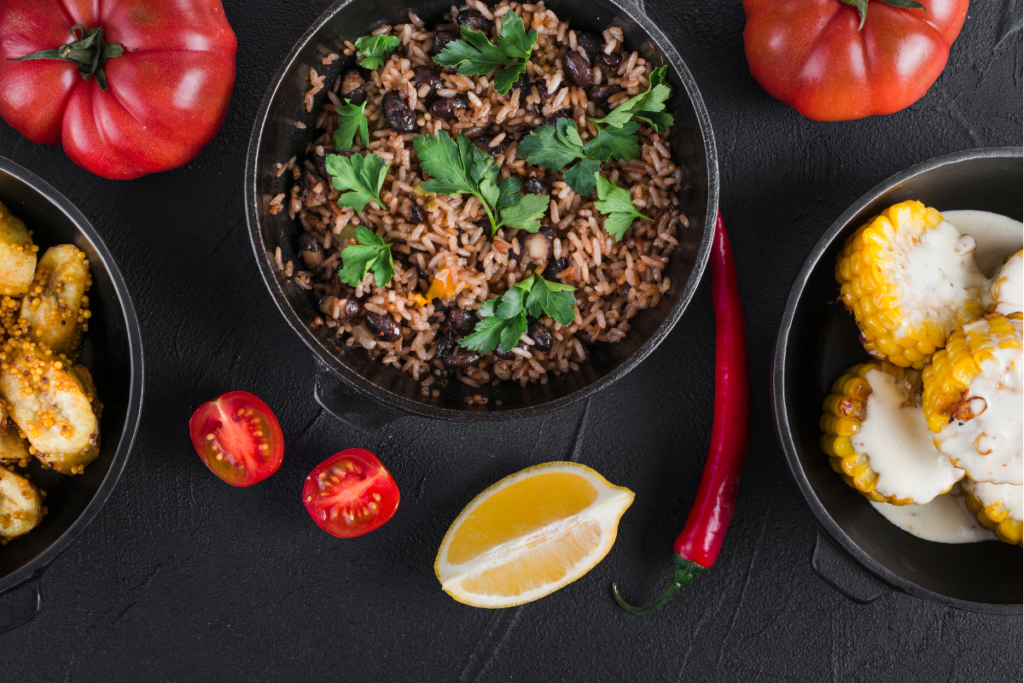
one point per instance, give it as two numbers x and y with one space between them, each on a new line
238 438
350 493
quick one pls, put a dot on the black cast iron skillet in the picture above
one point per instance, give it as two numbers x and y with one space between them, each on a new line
362 391
112 350
817 341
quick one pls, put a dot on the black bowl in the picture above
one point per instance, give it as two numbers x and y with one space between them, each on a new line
112 350
345 379
818 340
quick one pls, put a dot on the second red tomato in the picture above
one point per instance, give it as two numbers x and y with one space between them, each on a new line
350 494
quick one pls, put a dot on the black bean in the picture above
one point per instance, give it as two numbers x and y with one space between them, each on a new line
461 320
442 38
445 344
352 87
424 75
591 43
585 337
318 272
384 327
509 355
461 358
577 70
309 250
484 143
535 185
542 89
352 308
600 95
554 267
611 61
521 83
475 20
448 107
415 214
320 163
397 112
541 335
560 114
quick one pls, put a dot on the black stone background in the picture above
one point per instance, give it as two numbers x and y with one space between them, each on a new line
184 578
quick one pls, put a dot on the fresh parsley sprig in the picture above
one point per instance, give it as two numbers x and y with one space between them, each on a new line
359 177
351 121
503 319
371 253
617 206
476 55
373 50
555 147
648 106
460 167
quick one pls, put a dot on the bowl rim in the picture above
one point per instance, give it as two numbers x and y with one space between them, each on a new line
780 414
35 567
361 385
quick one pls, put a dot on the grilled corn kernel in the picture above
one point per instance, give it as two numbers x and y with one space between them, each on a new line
991 504
910 279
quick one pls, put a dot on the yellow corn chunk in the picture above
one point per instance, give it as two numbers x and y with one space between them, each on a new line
877 271
994 517
954 368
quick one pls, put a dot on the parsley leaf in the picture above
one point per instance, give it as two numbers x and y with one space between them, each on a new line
351 120
459 167
617 142
503 319
648 106
362 176
555 147
371 253
617 206
476 55
373 50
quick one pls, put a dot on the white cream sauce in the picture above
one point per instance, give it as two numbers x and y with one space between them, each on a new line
1006 293
1012 497
939 273
988 446
945 519
997 236
899 445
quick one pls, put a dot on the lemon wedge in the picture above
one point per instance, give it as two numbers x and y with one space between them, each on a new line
530 534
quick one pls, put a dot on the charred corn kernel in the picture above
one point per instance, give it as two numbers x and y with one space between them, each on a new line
910 279
912 466
997 507
17 254
948 377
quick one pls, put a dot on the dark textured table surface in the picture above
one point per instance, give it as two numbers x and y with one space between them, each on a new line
183 578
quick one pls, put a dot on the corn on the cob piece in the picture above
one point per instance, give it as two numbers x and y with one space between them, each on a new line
1005 294
21 506
910 279
972 398
876 437
998 507
17 254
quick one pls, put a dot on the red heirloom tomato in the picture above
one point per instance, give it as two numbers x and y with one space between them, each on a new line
816 56
238 438
350 494
129 87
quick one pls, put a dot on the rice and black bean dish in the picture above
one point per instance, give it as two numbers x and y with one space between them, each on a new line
485 198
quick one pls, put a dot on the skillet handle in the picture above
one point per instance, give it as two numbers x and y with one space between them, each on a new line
842 572
20 604
348 404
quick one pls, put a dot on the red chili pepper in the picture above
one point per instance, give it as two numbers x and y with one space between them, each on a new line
698 544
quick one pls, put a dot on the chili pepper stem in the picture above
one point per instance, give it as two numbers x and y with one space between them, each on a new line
685 570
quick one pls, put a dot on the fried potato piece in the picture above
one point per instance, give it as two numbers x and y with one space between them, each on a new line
55 305
49 404
13 447
21 506
17 254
